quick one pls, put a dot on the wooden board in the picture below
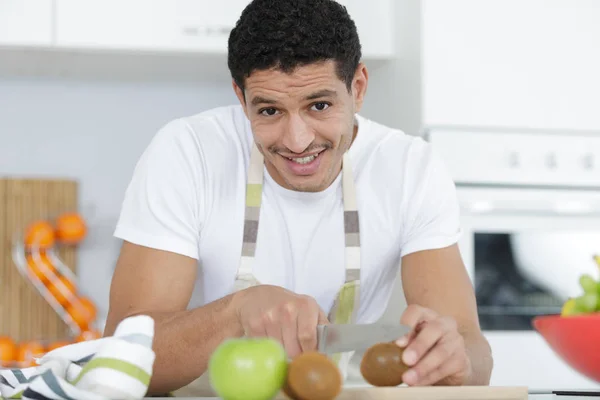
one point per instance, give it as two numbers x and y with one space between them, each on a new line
201 389
24 314
437 393
433 393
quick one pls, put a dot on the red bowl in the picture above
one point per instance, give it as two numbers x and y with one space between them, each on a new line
576 339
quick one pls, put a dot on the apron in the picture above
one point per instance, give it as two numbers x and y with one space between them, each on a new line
346 303
345 306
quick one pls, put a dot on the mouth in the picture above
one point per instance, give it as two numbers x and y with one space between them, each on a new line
305 159
306 164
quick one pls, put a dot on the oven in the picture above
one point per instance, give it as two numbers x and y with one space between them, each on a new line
530 210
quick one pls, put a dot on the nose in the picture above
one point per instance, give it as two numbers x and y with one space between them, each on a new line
298 134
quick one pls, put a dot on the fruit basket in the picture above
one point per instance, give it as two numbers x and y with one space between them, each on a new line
35 256
574 335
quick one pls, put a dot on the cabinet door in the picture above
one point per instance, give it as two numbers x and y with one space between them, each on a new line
199 25
512 63
25 22
196 25
374 22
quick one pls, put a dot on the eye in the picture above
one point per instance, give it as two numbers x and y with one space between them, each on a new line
268 111
320 106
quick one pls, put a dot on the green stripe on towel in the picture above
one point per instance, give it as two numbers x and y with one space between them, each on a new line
16 395
123 366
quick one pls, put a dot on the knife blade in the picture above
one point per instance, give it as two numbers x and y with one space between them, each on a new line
336 338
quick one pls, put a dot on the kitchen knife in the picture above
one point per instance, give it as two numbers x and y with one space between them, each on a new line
336 338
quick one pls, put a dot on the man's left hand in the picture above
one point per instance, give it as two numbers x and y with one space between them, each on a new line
435 350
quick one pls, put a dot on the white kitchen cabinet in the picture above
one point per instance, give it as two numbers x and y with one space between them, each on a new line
25 22
154 25
190 25
511 63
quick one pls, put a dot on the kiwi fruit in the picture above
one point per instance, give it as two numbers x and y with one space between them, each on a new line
382 364
312 376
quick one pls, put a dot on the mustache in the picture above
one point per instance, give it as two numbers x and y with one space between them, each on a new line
313 147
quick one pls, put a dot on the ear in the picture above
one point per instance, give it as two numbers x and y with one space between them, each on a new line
240 95
359 85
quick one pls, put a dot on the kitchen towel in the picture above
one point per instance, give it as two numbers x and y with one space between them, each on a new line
115 367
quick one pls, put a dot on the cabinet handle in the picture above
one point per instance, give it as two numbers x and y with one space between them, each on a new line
513 160
551 161
206 30
588 161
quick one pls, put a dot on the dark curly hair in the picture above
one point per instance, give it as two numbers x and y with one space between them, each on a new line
291 33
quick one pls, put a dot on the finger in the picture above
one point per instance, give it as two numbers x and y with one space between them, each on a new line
289 316
272 326
255 327
415 314
403 341
435 359
308 318
455 366
429 335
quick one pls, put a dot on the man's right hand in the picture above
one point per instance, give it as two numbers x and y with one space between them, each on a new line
275 312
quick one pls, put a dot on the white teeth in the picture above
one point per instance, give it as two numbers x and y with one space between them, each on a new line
304 160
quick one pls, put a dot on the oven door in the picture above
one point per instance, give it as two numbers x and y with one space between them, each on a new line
525 250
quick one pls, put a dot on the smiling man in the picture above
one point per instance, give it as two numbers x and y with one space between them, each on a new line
291 210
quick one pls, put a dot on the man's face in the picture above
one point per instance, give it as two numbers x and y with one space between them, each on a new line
303 122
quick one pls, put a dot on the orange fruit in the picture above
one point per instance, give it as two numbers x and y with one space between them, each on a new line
39 234
70 228
41 267
62 289
27 351
57 344
83 311
7 350
90 334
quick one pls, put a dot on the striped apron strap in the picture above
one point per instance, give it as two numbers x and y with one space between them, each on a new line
254 189
346 304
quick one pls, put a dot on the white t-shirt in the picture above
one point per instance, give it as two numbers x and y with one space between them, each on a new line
187 196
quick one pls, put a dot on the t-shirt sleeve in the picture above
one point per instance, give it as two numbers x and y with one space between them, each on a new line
163 202
431 214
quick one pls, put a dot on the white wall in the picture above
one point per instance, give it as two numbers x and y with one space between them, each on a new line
395 86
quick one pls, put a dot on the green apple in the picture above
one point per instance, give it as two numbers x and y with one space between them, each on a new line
248 368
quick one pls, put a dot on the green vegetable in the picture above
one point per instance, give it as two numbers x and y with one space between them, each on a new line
587 302
588 284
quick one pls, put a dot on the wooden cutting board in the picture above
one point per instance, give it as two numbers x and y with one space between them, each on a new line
201 389
432 393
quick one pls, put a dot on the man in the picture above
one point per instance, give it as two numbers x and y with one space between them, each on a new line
342 202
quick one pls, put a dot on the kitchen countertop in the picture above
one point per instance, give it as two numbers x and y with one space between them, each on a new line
531 397
594 395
